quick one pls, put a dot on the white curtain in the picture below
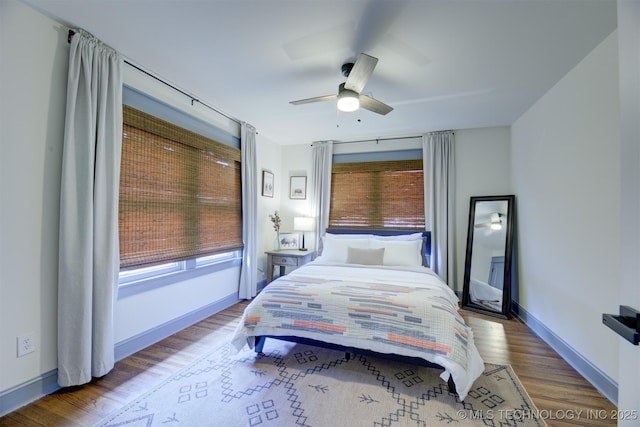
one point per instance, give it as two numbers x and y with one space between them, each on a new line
88 251
321 186
248 273
439 173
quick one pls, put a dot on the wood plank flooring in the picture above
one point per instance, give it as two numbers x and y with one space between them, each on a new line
556 388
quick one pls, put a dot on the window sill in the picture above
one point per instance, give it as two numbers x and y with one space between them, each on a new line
148 284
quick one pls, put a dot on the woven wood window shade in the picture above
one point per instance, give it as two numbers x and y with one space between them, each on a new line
378 195
180 193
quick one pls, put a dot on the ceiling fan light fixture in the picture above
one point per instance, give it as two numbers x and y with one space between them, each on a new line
496 221
348 101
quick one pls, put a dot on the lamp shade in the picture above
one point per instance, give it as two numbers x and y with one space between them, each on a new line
304 223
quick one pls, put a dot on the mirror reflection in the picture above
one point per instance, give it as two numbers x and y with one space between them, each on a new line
487 270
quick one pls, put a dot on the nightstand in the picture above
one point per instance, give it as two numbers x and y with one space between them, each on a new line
286 258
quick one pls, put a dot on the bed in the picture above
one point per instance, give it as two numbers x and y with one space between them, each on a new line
368 294
484 294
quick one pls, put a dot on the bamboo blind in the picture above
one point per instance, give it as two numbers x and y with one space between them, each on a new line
180 193
378 195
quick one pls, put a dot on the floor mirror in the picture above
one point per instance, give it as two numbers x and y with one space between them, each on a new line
489 256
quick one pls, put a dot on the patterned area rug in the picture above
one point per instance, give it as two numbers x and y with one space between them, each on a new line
298 385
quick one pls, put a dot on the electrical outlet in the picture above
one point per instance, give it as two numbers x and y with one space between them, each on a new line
26 344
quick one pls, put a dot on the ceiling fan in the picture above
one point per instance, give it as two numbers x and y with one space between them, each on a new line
349 94
495 222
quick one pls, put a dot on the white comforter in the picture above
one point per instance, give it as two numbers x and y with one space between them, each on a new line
407 311
485 294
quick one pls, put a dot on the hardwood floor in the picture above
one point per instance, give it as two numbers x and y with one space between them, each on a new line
562 395
557 390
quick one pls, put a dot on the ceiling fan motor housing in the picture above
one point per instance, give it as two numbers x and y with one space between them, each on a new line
346 68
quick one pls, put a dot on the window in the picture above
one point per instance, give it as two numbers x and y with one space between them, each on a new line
180 196
130 276
378 195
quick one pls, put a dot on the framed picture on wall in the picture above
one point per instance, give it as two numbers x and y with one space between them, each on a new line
298 187
267 183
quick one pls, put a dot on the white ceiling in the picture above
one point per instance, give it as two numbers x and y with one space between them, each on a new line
443 64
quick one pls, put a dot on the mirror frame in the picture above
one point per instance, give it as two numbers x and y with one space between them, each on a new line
508 257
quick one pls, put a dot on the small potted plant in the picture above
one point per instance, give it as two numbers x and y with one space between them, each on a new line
275 219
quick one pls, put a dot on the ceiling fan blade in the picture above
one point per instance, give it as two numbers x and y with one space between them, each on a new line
360 73
375 23
374 105
316 99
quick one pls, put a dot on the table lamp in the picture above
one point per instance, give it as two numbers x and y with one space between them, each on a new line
304 223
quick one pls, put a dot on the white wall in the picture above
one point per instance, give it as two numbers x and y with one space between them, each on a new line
566 174
33 89
141 313
482 169
296 161
269 157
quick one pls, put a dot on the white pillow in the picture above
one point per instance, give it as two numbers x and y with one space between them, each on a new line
336 250
400 252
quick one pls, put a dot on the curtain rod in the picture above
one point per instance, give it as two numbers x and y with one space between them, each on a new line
188 95
376 140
